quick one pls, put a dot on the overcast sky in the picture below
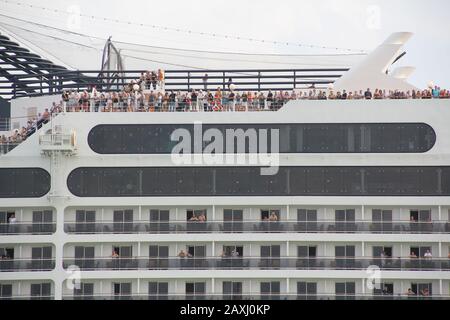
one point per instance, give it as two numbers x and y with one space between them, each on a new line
361 24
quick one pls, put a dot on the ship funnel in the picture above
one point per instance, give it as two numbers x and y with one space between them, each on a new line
372 71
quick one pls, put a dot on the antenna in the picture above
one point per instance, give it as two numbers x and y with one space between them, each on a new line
112 70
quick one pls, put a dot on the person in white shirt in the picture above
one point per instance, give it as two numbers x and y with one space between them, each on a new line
382 256
160 97
12 219
428 254
92 97
200 100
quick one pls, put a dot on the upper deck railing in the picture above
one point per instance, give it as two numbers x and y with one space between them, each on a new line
176 80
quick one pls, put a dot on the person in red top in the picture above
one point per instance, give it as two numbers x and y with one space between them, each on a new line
218 100
250 100
188 102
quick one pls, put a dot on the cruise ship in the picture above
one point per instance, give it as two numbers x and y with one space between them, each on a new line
354 204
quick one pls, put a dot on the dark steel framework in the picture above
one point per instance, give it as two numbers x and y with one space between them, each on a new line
112 60
17 64
25 74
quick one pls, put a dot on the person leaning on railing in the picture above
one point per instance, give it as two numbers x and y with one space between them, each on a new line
409 292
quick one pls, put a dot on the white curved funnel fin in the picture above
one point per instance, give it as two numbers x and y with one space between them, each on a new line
371 72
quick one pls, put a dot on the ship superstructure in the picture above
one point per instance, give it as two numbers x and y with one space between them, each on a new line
357 206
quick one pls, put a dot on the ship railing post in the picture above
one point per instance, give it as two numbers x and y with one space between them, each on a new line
138 286
295 79
189 81
288 291
139 248
287 248
78 80
14 79
259 81
363 286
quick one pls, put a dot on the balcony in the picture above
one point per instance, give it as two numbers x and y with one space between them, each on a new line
254 296
27 228
14 265
183 227
257 263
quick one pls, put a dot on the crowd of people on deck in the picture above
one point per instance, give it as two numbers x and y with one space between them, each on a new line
220 100
147 94
19 135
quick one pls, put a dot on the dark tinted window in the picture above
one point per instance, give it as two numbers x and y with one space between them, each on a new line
444 181
403 181
24 182
294 138
247 181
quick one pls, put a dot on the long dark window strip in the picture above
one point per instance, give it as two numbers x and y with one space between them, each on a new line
247 181
24 182
294 138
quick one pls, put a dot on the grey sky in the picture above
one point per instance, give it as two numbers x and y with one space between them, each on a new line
361 24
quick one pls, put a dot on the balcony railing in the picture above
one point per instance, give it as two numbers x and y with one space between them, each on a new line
13 265
27 228
254 296
27 297
258 263
257 227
